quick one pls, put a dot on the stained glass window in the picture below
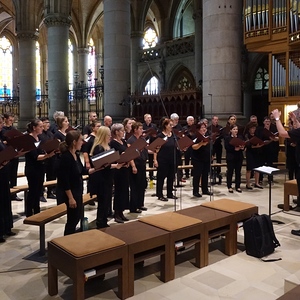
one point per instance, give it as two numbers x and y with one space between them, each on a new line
5 67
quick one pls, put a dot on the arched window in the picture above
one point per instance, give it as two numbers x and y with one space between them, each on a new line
92 57
6 75
71 64
151 87
261 81
38 91
150 39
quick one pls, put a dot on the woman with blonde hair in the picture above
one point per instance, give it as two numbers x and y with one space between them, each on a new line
101 182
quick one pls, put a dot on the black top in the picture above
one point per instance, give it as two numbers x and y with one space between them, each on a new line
168 151
46 135
69 177
202 154
87 129
295 136
231 153
31 162
60 136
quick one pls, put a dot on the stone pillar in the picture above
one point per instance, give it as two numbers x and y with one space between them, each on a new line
27 77
116 56
136 46
198 44
222 40
58 20
83 54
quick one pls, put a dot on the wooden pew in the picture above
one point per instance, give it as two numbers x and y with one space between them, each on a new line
50 214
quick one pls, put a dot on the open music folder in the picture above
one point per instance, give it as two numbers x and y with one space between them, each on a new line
266 170
129 154
7 154
184 143
105 158
237 142
25 142
157 143
49 145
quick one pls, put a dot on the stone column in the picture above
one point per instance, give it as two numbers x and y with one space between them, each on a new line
83 54
116 56
136 46
58 20
198 44
27 77
222 40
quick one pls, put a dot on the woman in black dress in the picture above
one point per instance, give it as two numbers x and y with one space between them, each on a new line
138 180
121 176
101 182
234 160
253 153
35 169
69 179
201 156
6 218
166 161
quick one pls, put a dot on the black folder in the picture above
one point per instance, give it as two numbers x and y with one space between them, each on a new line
105 158
12 133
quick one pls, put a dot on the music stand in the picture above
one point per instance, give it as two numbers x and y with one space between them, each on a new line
269 171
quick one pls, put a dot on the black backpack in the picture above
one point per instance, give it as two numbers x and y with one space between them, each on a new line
259 236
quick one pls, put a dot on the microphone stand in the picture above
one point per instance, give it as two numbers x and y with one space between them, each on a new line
210 152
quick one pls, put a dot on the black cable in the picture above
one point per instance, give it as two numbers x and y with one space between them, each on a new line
25 269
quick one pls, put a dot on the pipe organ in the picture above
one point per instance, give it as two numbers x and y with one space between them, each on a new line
273 27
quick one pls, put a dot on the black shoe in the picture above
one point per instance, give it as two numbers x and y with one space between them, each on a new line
92 203
208 193
43 199
295 232
10 233
137 211
2 239
118 220
198 195
172 197
297 208
16 198
102 226
258 186
163 199
295 201
249 187
143 208
238 190
51 196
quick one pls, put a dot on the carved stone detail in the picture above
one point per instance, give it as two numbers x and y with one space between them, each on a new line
57 20
28 35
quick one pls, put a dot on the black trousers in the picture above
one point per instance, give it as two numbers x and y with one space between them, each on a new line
235 166
138 184
35 179
74 215
165 170
201 170
13 172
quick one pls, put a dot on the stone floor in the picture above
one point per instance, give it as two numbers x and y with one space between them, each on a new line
23 273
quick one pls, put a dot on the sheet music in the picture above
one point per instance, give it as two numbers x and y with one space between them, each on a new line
266 169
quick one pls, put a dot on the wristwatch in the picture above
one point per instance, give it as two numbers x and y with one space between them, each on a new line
276 119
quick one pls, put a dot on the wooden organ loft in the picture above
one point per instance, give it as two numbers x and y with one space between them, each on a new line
273 27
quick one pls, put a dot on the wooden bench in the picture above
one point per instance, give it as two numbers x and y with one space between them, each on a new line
292 294
50 214
183 229
93 252
290 188
144 241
